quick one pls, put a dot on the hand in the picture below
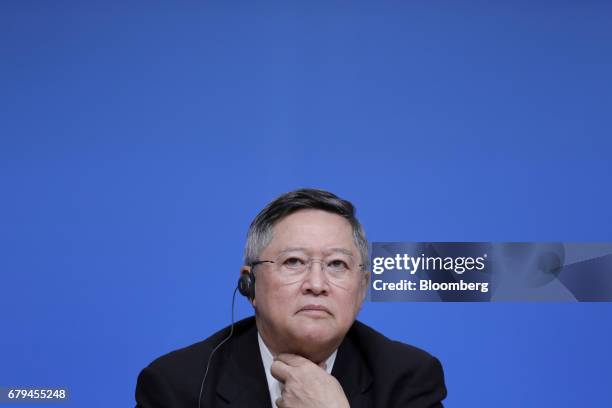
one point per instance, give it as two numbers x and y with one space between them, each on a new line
306 385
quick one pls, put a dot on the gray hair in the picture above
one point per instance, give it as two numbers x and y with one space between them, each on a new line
260 231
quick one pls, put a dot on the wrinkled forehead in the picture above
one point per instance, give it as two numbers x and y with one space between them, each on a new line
336 251
313 231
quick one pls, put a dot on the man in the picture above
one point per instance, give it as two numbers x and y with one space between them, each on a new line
306 275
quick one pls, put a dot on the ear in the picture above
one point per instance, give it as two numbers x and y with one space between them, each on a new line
245 270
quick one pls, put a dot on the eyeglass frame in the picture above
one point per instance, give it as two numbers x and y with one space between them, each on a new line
308 264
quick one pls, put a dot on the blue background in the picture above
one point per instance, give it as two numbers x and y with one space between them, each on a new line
138 140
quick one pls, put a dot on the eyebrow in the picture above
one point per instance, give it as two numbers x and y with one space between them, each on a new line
341 250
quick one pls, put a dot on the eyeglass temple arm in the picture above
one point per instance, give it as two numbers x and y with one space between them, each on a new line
252 264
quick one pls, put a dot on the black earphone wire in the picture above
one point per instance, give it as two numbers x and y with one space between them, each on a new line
216 348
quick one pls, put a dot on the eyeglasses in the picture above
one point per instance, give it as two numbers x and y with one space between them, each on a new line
290 267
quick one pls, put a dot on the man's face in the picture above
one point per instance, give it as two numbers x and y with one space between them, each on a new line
310 314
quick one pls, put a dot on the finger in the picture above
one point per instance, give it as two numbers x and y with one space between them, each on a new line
280 370
292 359
280 403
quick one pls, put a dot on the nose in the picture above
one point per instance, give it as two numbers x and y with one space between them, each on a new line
315 281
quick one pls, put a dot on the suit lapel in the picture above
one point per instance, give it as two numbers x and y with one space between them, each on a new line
243 383
353 374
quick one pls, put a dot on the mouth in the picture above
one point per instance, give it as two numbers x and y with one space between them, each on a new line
314 310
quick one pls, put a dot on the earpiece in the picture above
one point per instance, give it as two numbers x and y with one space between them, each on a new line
246 285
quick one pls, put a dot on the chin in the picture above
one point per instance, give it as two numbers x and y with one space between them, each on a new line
315 342
315 336
315 330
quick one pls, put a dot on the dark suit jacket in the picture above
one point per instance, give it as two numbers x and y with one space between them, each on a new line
373 371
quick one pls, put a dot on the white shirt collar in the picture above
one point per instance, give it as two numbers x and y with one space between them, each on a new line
274 386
